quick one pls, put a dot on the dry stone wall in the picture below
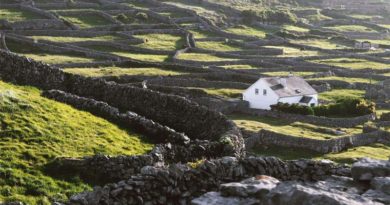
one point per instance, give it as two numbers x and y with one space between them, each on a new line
174 111
216 103
179 184
190 82
324 121
105 169
62 48
266 138
154 131
38 24
60 5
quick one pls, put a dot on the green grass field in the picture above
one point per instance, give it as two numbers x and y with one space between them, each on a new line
86 20
202 57
385 25
376 151
336 94
115 71
379 112
142 57
297 129
216 46
132 55
247 31
173 14
240 67
383 41
320 43
13 15
161 41
63 39
198 9
295 28
362 17
351 28
317 17
294 52
202 34
349 80
35 130
224 92
352 63
285 73
57 58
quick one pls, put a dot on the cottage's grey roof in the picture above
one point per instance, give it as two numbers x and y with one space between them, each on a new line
290 86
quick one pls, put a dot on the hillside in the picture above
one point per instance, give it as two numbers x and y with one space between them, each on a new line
153 83
35 131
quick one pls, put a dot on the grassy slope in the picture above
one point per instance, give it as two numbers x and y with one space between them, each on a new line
294 52
224 92
285 73
351 28
376 151
320 43
295 28
297 129
383 41
115 71
161 41
134 55
202 57
142 57
87 20
336 94
13 15
349 80
215 45
64 39
202 34
352 63
57 58
35 130
239 67
248 31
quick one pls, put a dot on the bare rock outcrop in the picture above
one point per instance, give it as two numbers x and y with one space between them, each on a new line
335 190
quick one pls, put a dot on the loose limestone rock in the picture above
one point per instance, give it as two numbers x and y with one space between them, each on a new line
334 190
255 186
366 169
380 190
382 184
215 198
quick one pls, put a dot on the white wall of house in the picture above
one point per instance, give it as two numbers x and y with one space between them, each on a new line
264 97
296 99
314 100
259 100
290 100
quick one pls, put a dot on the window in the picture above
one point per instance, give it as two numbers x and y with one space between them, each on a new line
256 91
264 91
312 104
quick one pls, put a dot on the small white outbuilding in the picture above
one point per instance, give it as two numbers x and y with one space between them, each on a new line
272 90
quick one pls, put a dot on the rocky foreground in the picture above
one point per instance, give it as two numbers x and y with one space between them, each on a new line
370 185
214 182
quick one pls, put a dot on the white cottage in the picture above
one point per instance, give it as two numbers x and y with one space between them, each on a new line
272 90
